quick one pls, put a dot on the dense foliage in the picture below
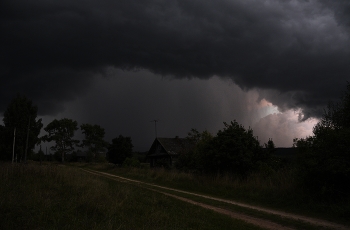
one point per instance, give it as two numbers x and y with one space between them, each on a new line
233 150
119 150
94 140
325 156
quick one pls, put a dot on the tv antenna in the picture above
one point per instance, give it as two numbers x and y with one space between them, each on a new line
155 126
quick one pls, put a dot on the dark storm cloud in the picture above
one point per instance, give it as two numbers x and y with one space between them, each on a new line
298 49
341 9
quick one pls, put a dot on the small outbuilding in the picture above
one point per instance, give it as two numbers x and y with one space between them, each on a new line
165 151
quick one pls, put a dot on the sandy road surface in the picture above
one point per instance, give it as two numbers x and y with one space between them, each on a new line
249 219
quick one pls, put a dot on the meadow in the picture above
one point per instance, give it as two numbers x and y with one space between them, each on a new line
56 196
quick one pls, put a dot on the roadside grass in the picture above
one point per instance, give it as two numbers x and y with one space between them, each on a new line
278 190
50 196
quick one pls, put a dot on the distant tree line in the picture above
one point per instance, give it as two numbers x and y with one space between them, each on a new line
20 134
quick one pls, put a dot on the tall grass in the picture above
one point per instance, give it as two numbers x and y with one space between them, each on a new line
62 197
279 182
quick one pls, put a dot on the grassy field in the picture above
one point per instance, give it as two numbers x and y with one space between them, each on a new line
278 190
53 196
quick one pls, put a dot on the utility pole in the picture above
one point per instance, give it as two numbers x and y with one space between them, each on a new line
13 148
155 126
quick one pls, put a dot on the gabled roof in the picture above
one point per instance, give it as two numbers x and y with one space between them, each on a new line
175 145
172 146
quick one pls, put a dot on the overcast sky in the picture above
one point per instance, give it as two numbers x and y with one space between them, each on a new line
272 65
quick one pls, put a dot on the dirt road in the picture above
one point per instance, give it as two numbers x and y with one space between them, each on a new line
247 218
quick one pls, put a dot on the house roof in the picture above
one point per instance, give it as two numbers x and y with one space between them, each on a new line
175 145
172 146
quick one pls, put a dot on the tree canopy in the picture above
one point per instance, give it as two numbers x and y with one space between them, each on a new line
236 147
94 139
62 133
21 115
233 150
325 156
120 149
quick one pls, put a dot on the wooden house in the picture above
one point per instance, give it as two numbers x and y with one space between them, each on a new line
164 151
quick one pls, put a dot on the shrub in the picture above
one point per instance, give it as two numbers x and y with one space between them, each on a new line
132 162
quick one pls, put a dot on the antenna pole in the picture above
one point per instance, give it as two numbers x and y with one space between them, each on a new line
155 126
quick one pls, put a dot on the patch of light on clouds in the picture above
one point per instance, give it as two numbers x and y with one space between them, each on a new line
258 108
268 121
265 108
283 127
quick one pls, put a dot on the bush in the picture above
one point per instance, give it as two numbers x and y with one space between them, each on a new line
119 150
132 162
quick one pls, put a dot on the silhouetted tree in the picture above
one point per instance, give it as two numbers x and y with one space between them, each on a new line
94 139
62 133
22 115
270 145
325 157
119 150
194 159
267 153
194 135
234 149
